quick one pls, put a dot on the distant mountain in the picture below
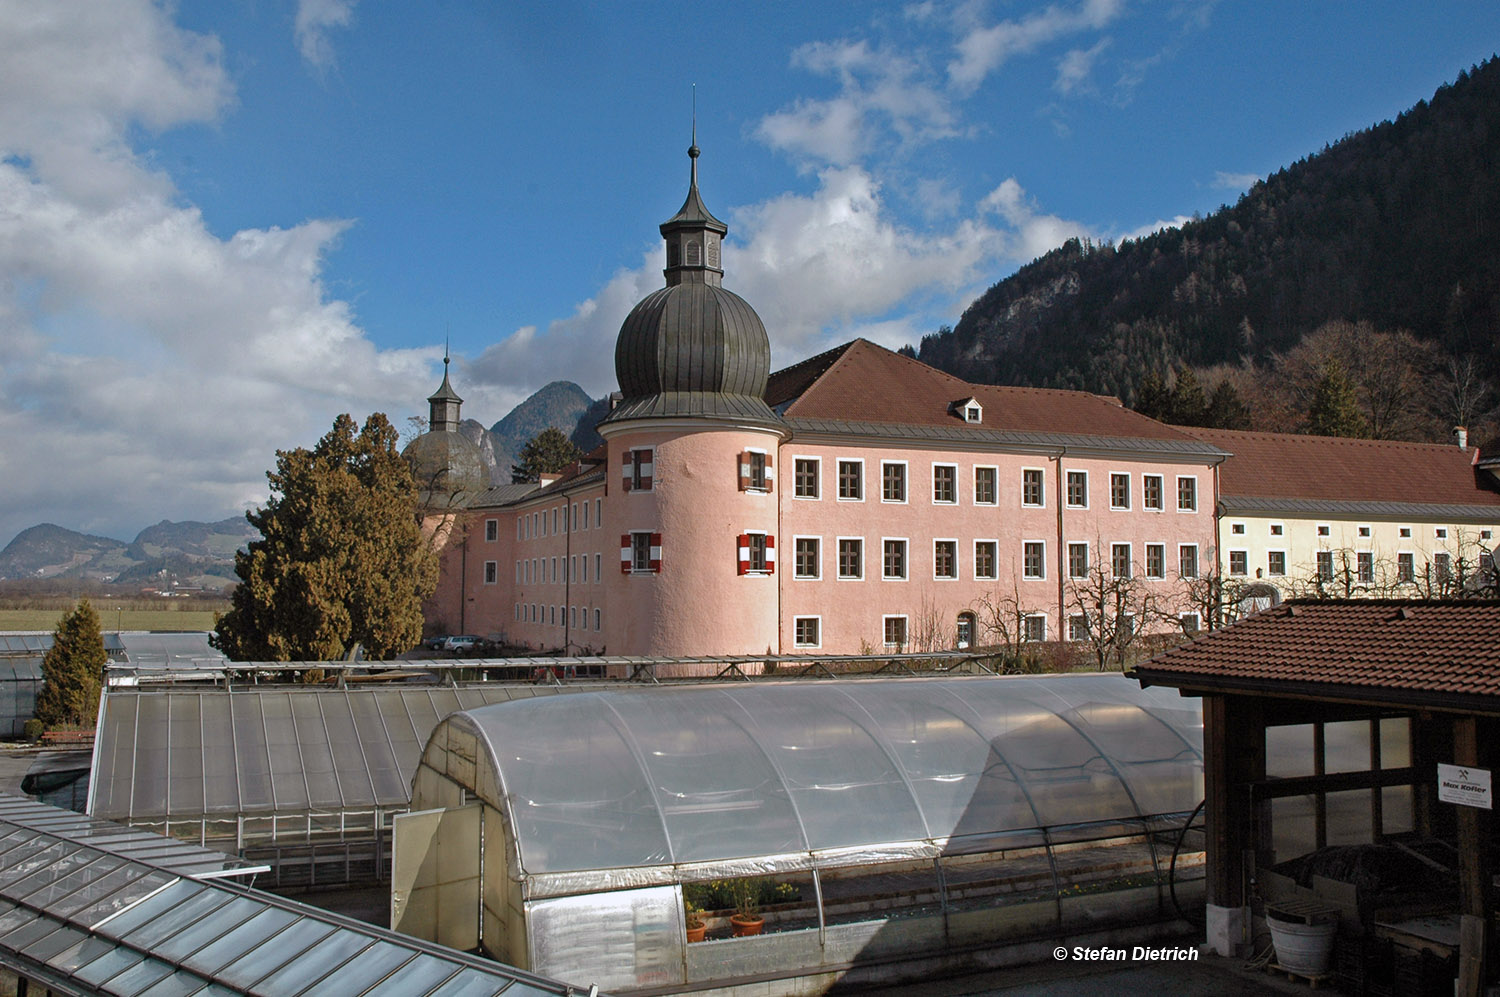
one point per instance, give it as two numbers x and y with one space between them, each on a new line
1396 225
561 404
485 441
192 553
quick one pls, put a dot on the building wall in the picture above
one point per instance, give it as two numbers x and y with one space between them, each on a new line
1298 541
549 554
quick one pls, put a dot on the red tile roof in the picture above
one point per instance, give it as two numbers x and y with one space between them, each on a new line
1334 469
862 382
1399 651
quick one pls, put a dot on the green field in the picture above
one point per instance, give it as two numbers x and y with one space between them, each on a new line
112 619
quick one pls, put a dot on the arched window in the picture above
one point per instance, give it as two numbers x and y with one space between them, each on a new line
966 621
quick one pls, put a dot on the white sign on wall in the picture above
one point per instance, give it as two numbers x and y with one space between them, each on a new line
1464 785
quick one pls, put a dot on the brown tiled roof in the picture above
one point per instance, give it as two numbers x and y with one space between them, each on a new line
860 382
1398 651
1288 466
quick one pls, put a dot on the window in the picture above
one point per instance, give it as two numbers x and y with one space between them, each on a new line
1078 489
805 631
972 411
572 616
944 484
1034 628
1405 531
1034 559
1078 627
893 563
598 613
520 527
1275 529
1078 560
805 557
1191 624
1364 531
1325 565
985 559
1323 529
757 554
598 568
1119 560
893 482
1187 494
1151 491
491 572
895 631
1238 529
1486 534
851 480
584 559
1239 562
555 530
1442 566
1364 563
945 559
965 629
491 530
985 485
851 557
585 526
1405 568
1119 491
1187 560
1275 562
805 477
583 617
640 553
1032 489
755 471
1441 532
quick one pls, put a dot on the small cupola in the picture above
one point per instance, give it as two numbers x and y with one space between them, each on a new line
968 409
443 405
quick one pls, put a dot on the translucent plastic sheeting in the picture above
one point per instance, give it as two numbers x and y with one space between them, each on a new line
217 752
20 680
614 781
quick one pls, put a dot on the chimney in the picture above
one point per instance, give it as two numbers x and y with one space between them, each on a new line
1461 435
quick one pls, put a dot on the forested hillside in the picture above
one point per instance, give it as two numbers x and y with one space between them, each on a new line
1391 231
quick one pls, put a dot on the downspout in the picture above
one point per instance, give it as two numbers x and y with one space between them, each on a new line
569 522
463 582
1062 559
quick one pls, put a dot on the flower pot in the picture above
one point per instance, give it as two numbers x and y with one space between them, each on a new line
695 933
746 924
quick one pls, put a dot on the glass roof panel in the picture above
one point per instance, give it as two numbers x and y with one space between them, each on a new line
221 780
473 983
139 977
284 752
178 984
185 784
112 894
180 892
359 975
205 929
45 948
303 973
249 746
350 767
317 757
115 961
148 768
220 952
270 956
90 948
419 976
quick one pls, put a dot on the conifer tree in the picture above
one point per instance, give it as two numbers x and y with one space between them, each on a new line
545 453
1225 409
342 558
1335 408
73 671
1188 401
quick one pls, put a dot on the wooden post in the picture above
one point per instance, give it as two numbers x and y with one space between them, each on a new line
1473 869
1224 874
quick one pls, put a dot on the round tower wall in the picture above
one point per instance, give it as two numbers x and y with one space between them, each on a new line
698 601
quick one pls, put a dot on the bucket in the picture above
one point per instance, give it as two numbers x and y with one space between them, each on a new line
1302 948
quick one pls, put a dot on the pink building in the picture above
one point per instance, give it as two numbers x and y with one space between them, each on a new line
856 501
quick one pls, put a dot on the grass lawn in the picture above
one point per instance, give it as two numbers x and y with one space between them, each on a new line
112 619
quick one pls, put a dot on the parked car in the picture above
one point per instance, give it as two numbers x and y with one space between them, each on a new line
434 643
461 643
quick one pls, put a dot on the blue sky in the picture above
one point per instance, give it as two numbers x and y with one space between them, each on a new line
222 223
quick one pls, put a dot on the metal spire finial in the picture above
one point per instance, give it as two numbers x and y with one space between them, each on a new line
693 148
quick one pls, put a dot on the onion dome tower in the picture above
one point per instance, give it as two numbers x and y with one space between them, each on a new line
447 466
692 446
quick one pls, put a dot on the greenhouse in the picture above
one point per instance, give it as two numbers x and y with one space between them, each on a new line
874 827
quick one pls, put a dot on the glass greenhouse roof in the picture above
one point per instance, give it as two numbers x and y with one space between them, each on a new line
608 780
102 923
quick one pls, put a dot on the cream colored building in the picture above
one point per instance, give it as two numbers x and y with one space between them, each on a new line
1314 515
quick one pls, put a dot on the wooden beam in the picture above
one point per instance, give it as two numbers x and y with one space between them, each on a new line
1337 782
1473 868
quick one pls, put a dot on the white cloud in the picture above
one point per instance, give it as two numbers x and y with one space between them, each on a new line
1153 227
314 19
982 49
1235 181
1075 69
151 368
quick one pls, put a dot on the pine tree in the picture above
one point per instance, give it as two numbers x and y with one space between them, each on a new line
545 453
342 559
1152 397
73 671
1225 409
1188 401
1335 408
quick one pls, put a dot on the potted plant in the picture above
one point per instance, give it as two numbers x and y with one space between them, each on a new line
746 919
696 927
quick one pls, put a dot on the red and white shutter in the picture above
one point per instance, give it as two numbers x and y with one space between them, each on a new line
645 465
656 552
625 553
745 470
627 468
744 546
770 473
770 550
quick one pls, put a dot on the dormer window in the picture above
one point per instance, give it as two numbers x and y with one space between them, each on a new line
969 410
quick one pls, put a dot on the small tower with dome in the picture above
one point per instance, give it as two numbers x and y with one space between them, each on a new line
447 466
692 432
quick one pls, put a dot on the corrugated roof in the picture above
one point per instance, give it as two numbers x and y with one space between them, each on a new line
1329 469
1406 651
862 383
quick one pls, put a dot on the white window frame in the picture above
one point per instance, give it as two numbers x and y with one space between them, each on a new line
1325 530
994 542
957 571
817 622
767 557
1034 578
1068 488
1146 561
817 463
1364 531
838 564
905 629
818 560
1282 572
767 473
1129 558
1078 627
905 559
1161 492
1229 562
864 480
1197 619
956 489
905 498
491 530
1440 533
1073 546
1276 529
1413 557
1196 503
491 574
995 481
1129 489
1042 476
1197 561
1359 570
1027 618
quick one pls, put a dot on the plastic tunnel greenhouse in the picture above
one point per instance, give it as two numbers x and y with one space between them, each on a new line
873 822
